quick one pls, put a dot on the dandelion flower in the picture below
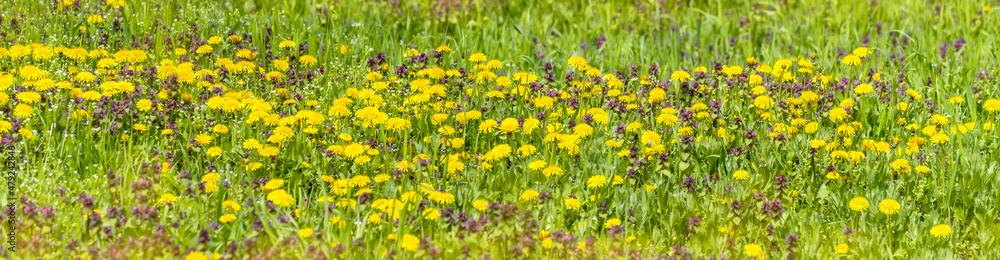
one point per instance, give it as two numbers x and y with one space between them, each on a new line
477 57
194 255
612 222
888 206
900 165
753 250
859 204
409 243
227 218
741 175
851 60
5 126
204 49
167 198
763 102
431 214
992 105
442 197
214 151
23 111
939 138
680 75
397 124
863 89
267 151
305 232
273 184
529 195
572 203
231 205
480 204
861 52
281 198
941 230
509 125
551 170
842 249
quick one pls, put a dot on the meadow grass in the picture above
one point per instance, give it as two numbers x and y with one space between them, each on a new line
655 134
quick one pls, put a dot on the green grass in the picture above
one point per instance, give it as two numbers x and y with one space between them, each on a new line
70 156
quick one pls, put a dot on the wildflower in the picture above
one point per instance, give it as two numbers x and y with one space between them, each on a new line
527 150
273 184
286 44
29 134
763 102
431 214
859 203
409 243
308 61
375 219
396 124
939 138
863 89
204 49
860 52
579 63
5 126
23 111
214 151
194 255
753 250
280 198
572 203
596 181
940 120
851 60
900 165
612 222
167 198
354 150
837 114
231 205
488 126
552 170
480 204
741 175
529 195
842 249
442 197
305 232
941 230
992 105
477 57
144 105
227 218
680 75
210 177
203 139
888 206
509 125
267 151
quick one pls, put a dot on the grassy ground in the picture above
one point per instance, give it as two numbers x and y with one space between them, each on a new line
490 129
